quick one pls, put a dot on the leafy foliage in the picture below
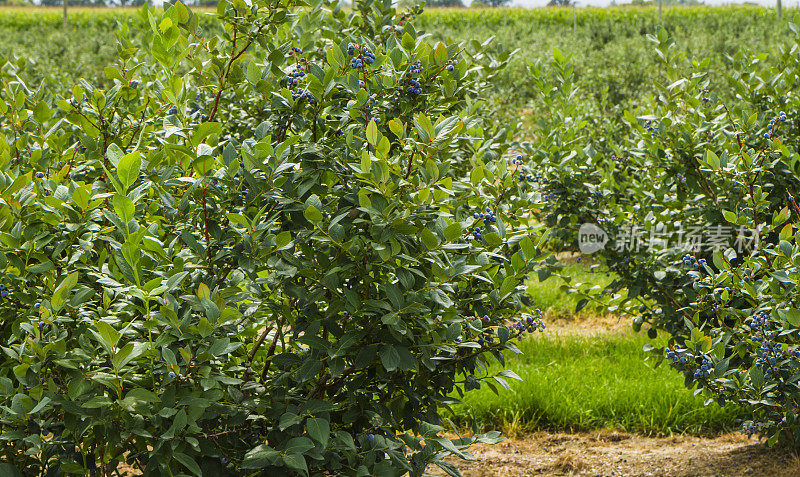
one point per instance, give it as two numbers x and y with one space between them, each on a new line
257 251
716 157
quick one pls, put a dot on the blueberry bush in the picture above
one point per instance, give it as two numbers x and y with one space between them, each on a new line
697 199
279 246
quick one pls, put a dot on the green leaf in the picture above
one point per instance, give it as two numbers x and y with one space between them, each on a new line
509 283
476 176
390 358
109 335
757 376
282 240
204 130
372 133
64 288
730 216
793 317
141 394
114 154
407 42
312 214
452 232
188 462
298 445
296 462
124 208
261 456
45 400
441 298
287 420
712 160
319 429
128 169
429 239
253 72
440 53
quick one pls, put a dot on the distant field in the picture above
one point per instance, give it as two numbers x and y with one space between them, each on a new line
613 61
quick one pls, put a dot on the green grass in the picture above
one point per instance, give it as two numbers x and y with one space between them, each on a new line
548 295
576 383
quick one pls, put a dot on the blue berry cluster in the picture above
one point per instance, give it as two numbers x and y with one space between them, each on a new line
769 352
195 109
410 85
297 72
781 118
704 92
620 160
768 355
476 232
451 65
523 172
39 175
692 261
681 178
524 176
413 87
295 50
704 371
488 217
528 323
760 322
752 427
3 291
595 197
173 110
303 95
415 69
651 126
676 355
364 57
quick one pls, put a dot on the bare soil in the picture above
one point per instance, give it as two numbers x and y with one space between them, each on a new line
587 325
609 453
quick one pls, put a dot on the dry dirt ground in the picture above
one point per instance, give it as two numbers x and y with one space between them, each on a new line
617 454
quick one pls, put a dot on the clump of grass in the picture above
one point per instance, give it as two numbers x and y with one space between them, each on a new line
574 383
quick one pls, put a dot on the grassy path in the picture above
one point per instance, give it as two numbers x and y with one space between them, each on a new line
588 372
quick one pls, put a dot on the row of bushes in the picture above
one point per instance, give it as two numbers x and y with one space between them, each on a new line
696 197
